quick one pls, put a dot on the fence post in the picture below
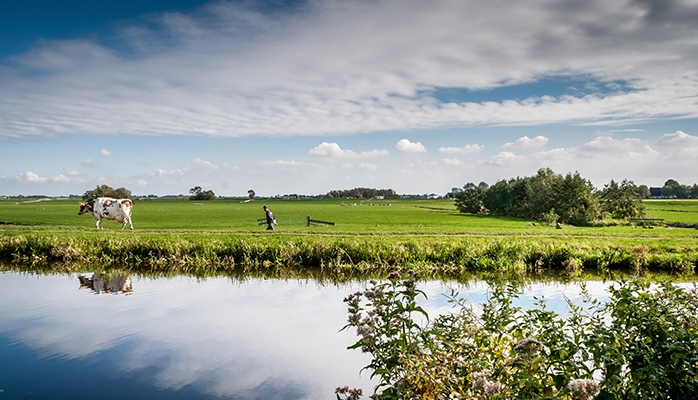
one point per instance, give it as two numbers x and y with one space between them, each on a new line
308 220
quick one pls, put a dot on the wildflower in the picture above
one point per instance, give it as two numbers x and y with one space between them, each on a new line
352 394
394 275
528 346
583 389
479 379
493 388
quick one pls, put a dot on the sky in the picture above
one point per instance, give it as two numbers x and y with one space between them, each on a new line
305 97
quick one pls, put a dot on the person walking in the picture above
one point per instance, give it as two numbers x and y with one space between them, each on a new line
271 221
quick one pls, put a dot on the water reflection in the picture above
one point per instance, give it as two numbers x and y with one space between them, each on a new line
104 284
183 337
213 338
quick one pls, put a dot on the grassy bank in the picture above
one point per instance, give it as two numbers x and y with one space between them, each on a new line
444 254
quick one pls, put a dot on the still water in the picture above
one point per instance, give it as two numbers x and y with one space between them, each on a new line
67 336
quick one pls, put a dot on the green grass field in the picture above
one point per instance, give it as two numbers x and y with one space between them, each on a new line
350 217
215 236
684 211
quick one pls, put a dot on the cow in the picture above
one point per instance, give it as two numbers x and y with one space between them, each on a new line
101 283
108 208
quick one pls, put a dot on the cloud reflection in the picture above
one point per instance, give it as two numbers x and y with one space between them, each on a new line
256 339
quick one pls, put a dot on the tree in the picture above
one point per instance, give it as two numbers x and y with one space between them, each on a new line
643 191
197 193
107 191
469 200
622 201
251 193
576 200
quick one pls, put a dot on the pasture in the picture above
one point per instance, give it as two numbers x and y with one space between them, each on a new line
352 217
224 235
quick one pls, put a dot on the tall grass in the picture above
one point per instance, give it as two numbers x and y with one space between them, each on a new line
436 255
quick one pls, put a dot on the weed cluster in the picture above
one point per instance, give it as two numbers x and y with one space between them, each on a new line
642 343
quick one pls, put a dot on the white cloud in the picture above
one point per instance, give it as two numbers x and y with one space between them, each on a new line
368 166
30 177
61 178
284 163
345 67
681 145
206 164
141 182
72 173
452 161
504 157
468 149
527 142
88 163
679 138
105 153
606 144
406 146
161 173
333 150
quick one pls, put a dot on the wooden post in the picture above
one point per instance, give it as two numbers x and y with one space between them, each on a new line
308 220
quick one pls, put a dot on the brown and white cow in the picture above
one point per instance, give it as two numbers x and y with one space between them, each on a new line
108 208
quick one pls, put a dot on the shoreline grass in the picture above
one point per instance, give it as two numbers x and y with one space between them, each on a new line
431 254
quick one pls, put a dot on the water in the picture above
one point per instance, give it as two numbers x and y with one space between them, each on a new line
170 338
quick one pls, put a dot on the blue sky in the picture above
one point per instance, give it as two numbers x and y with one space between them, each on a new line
310 96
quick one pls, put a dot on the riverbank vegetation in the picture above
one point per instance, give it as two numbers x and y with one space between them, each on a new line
640 344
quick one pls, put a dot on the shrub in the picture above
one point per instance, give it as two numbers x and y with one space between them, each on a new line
642 343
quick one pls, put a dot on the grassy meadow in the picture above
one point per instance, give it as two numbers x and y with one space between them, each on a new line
224 235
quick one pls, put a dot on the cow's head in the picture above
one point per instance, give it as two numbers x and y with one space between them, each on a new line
86 207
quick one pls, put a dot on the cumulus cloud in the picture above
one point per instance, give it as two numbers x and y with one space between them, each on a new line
333 150
406 146
606 144
527 142
679 139
504 157
30 177
161 173
452 161
205 164
89 163
60 178
682 145
468 149
105 153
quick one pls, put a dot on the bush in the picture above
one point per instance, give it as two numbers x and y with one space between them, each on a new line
642 343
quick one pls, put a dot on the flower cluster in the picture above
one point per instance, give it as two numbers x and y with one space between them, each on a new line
583 389
480 381
350 394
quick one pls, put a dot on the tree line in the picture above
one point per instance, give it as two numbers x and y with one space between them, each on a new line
673 189
107 191
551 197
361 193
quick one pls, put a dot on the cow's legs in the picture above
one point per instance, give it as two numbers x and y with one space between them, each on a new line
127 220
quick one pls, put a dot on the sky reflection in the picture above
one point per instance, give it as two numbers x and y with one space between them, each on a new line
182 337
